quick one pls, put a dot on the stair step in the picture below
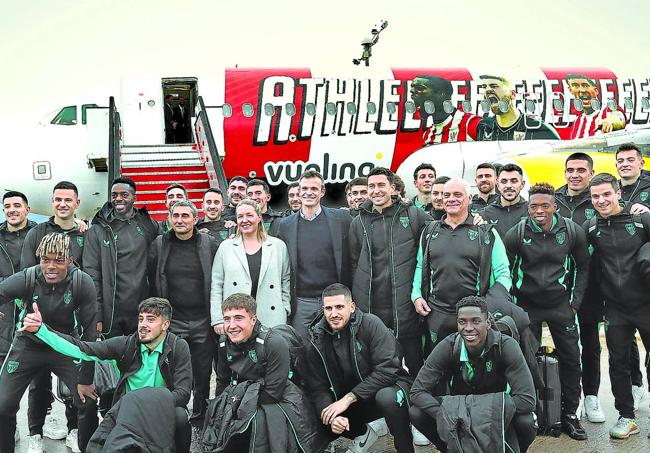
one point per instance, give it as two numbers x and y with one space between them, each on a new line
184 170
159 195
196 201
163 183
163 148
161 163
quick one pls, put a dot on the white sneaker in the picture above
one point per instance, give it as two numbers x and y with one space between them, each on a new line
35 444
379 426
419 439
593 410
53 429
581 408
638 393
71 441
362 443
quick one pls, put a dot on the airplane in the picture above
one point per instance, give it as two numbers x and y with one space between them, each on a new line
274 123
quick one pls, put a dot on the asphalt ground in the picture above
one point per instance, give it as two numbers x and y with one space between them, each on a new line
598 442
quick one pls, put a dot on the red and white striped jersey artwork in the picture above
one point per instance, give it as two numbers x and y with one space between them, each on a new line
459 127
587 125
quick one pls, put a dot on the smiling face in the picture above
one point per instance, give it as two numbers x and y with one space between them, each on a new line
605 199
54 268
337 311
174 196
247 219
541 208
437 199
424 181
473 327
358 194
510 184
151 327
380 191
64 203
311 191
212 206
236 192
259 195
293 197
485 180
122 199
15 211
455 198
577 174
238 324
629 165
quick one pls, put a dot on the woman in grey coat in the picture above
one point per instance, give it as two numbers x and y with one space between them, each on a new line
252 263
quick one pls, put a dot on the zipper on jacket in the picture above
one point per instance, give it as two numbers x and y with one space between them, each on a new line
392 274
354 353
365 233
295 434
329 379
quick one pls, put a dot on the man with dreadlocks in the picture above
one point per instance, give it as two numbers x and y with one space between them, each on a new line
69 308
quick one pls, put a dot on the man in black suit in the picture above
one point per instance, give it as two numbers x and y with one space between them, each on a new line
169 120
182 117
314 268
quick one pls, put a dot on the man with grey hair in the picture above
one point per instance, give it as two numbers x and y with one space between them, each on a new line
456 259
180 268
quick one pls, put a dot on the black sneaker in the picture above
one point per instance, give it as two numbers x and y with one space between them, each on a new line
571 426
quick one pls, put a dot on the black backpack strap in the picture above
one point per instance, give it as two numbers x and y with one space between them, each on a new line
521 230
571 231
413 220
591 230
30 284
485 258
260 344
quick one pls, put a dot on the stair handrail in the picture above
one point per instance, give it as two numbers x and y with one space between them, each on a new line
211 159
114 144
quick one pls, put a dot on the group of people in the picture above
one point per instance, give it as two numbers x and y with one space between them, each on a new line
318 321
177 120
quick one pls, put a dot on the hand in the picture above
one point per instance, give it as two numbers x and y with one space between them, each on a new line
638 208
218 329
86 391
81 225
32 321
204 230
422 307
332 411
478 220
606 125
99 328
229 224
340 424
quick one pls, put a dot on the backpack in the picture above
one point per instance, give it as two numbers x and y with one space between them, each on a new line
297 357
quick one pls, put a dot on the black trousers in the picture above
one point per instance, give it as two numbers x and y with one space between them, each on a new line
564 330
200 338
25 360
412 350
522 429
390 403
618 336
40 400
440 325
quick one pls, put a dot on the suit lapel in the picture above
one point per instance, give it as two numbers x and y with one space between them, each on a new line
292 236
267 254
240 252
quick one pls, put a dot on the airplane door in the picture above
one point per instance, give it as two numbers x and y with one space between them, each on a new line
141 111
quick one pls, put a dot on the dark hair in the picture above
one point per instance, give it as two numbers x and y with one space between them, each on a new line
214 190
15 193
441 180
239 300
511 167
629 147
423 166
337 289
123 180
157 306
292 185
400 187
473 301
238 178
382 171
487 165
580 76
581 156
259 182
438 84
605 178
312 174
176 186
541 188
359 181
66 185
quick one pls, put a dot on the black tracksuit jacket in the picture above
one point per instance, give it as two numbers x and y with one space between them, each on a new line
504 217
35 236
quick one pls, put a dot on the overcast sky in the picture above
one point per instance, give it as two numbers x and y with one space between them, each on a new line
52 51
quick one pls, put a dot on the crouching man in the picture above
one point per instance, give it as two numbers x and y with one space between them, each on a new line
257 407
355 373
152 357
477 364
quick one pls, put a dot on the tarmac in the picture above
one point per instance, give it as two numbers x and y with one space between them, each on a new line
598 442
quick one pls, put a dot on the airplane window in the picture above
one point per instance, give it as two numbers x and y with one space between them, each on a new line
247 109
645 103
83 111
227 110
558 104
467 106
577 104
391 107
310 108
530 106
352 108
503 106
628 103
330 107
429 107
269 110
611 104
290 108
67 116
448 107
372 108
595 104
410 106
485 106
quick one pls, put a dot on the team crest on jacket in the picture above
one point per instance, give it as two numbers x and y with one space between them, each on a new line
404 220
357 346
630 229
80 241
486 239
472 234
253 355
589 213
561 237
12 365
488 365
643 196
67 297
